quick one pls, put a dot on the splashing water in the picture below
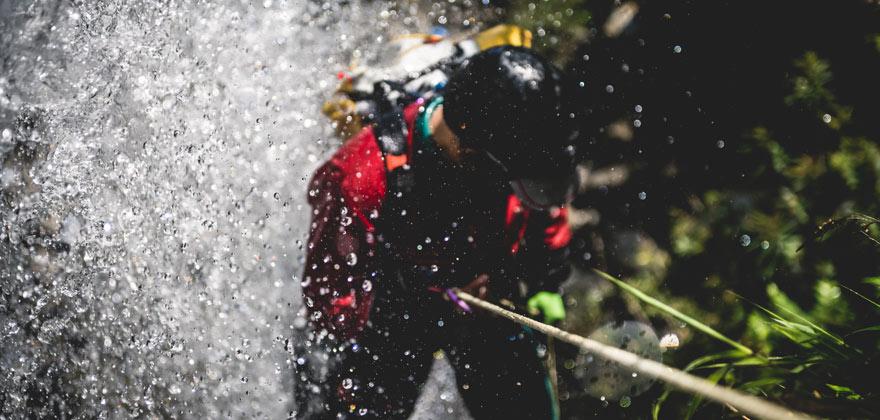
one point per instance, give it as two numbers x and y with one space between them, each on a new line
154 161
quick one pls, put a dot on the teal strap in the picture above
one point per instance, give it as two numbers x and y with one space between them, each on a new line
548 385
423 127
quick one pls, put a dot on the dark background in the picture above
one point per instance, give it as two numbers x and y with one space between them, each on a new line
752 169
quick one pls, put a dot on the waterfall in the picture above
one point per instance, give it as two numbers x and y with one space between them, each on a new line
154 160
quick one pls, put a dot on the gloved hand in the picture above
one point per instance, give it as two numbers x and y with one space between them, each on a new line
548 304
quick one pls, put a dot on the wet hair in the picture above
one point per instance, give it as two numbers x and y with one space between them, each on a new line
515 104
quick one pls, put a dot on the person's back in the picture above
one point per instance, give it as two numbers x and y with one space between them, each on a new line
447 198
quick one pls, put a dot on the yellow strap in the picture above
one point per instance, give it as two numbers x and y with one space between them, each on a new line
504 35
341 108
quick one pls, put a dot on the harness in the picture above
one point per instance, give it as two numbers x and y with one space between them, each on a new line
395 141
424 238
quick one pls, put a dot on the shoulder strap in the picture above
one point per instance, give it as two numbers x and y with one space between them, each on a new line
394 139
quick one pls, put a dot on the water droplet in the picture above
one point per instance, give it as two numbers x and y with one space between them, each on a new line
669 341
347 383
367 285
351 259
643 195
638 108
765 245
609 89
826 118
676 49
345 221
625 401
745 240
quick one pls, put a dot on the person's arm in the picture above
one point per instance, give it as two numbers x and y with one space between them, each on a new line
546 261
340 263
546 239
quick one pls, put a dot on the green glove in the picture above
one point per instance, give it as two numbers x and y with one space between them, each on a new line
549 304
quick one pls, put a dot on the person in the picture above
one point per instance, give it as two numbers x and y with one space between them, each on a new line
463 188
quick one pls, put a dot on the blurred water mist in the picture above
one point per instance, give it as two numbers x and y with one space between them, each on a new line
154 160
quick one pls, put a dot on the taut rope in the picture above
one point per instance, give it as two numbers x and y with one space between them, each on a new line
684 381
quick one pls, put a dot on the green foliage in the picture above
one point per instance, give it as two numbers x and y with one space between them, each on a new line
689 235
813 353
796 240
810 91
810 344
763 225
557 26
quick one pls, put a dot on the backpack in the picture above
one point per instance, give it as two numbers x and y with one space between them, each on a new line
410 67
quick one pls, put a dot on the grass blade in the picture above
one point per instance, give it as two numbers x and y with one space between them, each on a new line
673 312
698 363
867 299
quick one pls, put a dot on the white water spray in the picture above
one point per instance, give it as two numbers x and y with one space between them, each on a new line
154 162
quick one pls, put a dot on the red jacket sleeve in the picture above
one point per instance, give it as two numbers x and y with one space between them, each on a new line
340 261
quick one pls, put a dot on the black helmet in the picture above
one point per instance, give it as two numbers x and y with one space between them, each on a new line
515 107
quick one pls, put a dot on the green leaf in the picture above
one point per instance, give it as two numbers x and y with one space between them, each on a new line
844 391
867 299
747 361
695 364
761 384
702 361
697 400
875 328
875 281
783 303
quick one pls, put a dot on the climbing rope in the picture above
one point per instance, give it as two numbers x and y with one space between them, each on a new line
747 404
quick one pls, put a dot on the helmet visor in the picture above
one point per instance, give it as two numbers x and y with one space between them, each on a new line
542 194
539 192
